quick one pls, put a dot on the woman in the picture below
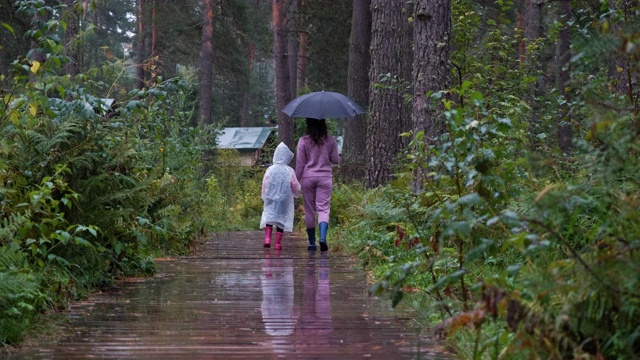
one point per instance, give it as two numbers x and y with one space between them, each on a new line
316 152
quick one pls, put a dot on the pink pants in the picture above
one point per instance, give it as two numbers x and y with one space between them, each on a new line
316 195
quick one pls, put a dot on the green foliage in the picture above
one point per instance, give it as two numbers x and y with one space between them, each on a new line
233 193
19 291
91 193
510 248
512 264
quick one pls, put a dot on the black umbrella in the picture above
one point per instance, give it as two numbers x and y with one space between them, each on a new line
322 105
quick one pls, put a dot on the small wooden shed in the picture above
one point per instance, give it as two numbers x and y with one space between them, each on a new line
248 141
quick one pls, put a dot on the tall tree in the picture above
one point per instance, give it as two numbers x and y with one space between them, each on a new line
293 46
432 64
246 93
355 130
206 64
386 109
624 70
303 59
283 85
532 21
140 45
532 31
563 61
328 23
431 69
154 64
72 18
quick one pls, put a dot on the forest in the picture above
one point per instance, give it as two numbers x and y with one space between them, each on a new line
492 185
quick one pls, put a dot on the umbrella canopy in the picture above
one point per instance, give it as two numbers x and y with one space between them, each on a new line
322 105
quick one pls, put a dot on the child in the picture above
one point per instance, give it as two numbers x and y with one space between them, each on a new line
279 187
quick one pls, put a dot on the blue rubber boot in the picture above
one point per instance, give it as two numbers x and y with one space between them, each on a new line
311 233
324 227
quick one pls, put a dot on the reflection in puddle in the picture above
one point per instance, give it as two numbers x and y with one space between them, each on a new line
277 296
312 320
316 312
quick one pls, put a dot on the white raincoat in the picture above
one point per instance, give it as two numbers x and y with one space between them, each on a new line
279 187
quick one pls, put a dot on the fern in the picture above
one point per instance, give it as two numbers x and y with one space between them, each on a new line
10 226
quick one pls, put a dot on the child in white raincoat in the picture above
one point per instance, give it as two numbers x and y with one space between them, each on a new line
279 187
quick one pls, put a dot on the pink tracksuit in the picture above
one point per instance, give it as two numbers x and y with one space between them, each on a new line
313 170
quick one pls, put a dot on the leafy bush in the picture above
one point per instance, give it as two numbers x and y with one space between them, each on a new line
507 258
89 194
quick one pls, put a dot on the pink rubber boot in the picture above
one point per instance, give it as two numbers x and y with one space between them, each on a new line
267 236
279 236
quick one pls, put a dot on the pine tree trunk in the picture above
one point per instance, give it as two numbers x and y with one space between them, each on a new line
246 97
206 64
303 59
154 65
140 46
532 21
293 47
432 66
73 28
623 72
563 60
283 89
406 73
355 130
532 30
387 112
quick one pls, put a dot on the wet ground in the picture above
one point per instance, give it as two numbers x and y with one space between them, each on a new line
235 300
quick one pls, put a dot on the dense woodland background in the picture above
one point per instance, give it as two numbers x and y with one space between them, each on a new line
492 185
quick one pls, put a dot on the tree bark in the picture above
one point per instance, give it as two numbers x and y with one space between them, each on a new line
432 65
623 71
283 89
246 97
154 65
406 73
303 59
563 63
387 112
355 130
140 46
293 47
532 30
206 64
73 28
532 21
431 71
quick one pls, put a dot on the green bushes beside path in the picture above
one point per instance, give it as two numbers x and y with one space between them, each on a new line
506 255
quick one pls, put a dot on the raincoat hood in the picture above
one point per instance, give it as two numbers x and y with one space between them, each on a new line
282 155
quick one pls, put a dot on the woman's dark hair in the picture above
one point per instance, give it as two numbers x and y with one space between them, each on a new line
317 130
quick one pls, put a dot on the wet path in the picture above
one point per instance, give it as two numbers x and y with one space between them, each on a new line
235 300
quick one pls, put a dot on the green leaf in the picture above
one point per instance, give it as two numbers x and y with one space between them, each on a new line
64 236
118 248
93 231
514 269
378 288
460 227
471 199
83 242
396 296
8 27
142 221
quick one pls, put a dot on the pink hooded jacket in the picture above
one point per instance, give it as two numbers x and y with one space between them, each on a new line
315 161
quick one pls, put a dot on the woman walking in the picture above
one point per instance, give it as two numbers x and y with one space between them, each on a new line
316 152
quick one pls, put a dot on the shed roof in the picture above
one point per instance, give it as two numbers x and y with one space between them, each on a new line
243 138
